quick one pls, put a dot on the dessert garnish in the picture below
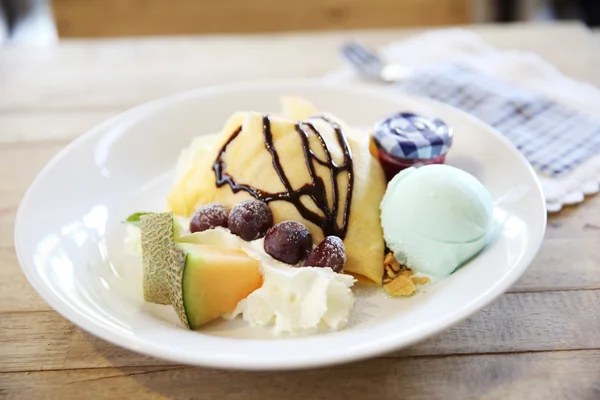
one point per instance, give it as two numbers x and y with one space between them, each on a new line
330 253
288 241
399 280
208 217
407 140
250 219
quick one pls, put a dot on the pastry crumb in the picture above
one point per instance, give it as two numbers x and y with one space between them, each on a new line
390 272
401 286
390 260
399 280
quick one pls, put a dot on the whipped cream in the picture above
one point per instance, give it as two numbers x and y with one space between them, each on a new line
133 240
299 300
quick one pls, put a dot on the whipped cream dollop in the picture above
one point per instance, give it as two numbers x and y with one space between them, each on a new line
299 300
133 240
292 299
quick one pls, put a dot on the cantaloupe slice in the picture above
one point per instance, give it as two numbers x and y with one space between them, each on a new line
209 281
158 232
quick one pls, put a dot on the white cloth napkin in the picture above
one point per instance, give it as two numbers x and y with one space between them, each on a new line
527 71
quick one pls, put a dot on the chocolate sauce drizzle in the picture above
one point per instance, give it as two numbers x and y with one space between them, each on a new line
315 189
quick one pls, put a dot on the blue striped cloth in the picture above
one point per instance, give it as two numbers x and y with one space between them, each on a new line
554 138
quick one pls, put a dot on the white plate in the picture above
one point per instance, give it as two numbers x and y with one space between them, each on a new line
69 236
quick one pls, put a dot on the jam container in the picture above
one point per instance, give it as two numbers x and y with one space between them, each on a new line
406 139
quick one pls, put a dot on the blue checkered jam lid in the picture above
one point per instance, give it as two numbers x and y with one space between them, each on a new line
411 136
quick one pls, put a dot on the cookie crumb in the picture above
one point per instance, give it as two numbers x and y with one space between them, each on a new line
398 279
390 272
407 273
401 286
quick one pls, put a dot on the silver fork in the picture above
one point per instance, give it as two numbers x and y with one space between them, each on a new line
371 66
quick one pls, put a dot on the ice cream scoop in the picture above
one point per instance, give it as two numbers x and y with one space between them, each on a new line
435 218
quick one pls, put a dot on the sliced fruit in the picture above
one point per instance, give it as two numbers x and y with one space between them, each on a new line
208 281
158 232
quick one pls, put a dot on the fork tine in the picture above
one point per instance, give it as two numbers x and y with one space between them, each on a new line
351 56
349 51
366 62
362 59
365 54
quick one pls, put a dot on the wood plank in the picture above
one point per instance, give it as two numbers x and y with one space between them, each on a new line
16 294
548 375
519 322
9 203
563 264
516 322
18 168
579 220
58 126
93 18
55 343
119 73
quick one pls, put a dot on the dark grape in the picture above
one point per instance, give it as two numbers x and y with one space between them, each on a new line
288 241
329 253
250 219
208 217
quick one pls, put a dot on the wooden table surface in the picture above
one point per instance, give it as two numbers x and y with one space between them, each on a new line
539 341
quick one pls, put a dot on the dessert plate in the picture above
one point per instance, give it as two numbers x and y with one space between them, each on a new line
69 235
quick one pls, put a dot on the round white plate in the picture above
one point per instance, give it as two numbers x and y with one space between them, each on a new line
69 235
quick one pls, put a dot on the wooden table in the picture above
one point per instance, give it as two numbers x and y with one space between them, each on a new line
540 341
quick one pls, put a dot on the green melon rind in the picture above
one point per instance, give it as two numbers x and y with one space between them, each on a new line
158 235
177 265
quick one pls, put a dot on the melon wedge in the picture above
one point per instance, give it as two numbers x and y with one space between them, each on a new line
158 232
209 281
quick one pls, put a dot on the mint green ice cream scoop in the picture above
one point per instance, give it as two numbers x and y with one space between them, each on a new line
436 218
